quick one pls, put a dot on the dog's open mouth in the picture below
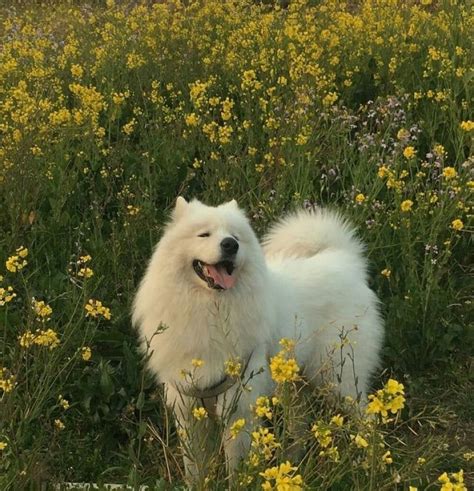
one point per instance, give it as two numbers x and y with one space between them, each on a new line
217 276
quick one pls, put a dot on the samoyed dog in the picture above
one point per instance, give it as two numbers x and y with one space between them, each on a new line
213 293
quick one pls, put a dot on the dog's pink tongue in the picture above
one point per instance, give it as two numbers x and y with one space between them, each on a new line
220 276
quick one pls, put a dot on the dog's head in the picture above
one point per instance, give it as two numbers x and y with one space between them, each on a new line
213 244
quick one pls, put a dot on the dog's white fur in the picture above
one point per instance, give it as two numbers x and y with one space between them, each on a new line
308 282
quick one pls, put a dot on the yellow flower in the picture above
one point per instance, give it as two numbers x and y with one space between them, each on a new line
63 402
386 272
338 420
119 97
26 339
94 308
135 60
7 381
390 398
227 106
236 427
403 134
283 369
197 362
225 133
233 368
59 424
393 387
47 338
17 262
330 98
456 485
302 139
77 71
199 413
322 433
85 272
467 125
386 458
284 477
262 407
191 119
6 295
3 445
406 205
457 224
439 150
287 344
360 198
360 441
42 310
264 442
129 128
409 152
383 171
86 353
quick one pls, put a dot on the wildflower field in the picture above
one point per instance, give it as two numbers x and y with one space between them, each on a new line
110 110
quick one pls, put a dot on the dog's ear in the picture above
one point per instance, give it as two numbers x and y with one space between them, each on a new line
233 204
180 207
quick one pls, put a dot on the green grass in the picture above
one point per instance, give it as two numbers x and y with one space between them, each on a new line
97 141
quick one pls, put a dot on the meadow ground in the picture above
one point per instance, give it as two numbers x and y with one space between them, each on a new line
108 111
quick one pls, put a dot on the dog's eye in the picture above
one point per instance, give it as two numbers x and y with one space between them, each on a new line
205 234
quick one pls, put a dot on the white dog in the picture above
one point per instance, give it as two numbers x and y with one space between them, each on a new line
212 292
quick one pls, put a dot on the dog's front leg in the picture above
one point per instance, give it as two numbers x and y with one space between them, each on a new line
196 436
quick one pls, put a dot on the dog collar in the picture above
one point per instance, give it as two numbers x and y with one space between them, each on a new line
215 390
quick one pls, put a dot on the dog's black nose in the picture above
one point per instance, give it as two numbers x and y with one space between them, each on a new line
229 246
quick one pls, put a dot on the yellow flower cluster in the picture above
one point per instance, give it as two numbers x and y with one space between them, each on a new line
449 173
59 425
323 432
359 441
456 484
48 338
64 403
457 224
263 443
7 381
360 198
283 366
282 478
6 295
262 407
233 368
41 309
197 362
406 205
236 427
467 125
86 353
409 152
83 270
389 399
17 262
200 413
94 309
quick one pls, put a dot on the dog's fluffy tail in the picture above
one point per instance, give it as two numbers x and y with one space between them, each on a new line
305 234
